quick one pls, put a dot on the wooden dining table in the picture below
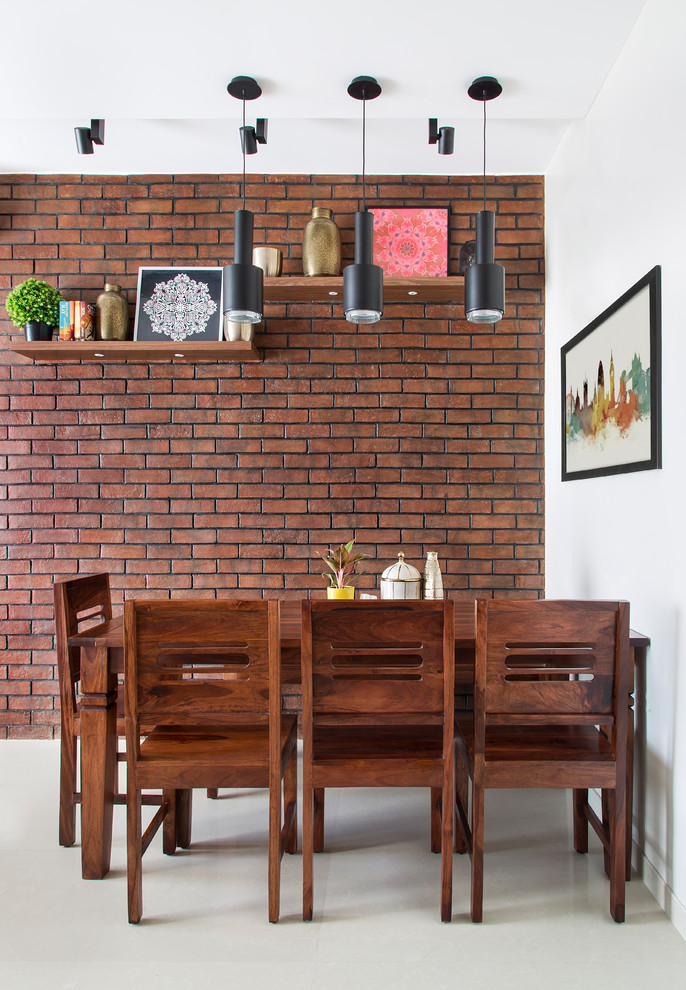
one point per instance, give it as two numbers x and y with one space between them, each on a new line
102 665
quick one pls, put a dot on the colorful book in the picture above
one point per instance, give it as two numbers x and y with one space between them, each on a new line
87 321
64 330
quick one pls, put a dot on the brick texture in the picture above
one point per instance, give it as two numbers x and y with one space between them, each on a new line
422 431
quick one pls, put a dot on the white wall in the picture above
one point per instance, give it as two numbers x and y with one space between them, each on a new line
615 207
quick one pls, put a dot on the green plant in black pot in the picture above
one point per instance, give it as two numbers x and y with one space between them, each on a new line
35 306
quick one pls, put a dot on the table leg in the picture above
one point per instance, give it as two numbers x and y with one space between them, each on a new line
98 762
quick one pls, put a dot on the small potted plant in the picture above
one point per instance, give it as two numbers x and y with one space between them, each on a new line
35 306
342 564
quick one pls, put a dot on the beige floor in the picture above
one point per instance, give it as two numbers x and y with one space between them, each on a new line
376 902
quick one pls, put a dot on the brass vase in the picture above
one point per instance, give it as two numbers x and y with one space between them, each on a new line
111 314
321 244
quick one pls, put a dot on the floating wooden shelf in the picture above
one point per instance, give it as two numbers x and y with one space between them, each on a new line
447 289
136 350
438 289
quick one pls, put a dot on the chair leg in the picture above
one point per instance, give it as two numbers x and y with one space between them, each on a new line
580 820
67 825
447 849
213 793
274 855
308 800
134 856
184 815
617 823
436 819
462 797
477 851
169 841
318 841
290 798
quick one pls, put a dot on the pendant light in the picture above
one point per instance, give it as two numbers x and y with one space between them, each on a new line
243 280
363 281
484 286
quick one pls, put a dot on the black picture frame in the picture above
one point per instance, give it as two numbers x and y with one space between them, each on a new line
179 304
615 429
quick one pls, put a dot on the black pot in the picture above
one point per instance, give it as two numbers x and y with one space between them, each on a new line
38 331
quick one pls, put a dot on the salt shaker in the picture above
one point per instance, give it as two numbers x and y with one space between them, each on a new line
433 582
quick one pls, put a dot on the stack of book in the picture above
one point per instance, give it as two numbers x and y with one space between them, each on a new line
76 320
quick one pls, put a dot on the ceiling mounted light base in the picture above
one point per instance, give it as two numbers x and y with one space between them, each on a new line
485 88
244 88
364 88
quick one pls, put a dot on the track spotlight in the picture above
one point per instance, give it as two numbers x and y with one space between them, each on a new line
444 137
86 137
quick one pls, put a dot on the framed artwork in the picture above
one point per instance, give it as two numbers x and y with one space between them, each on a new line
611 388
179 304
411 241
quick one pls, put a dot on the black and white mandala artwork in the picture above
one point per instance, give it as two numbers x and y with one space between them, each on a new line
180 308
179 304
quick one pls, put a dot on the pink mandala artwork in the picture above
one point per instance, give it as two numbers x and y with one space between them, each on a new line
410 241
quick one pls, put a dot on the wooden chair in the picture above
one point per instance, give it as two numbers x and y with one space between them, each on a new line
208 674
79 603
550 710
378 710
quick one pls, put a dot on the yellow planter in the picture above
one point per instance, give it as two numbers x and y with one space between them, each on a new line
340 592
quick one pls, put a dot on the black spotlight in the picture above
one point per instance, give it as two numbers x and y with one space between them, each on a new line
86 137
444 137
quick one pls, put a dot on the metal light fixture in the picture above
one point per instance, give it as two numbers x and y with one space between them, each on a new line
444 137
484 286
243 280
86 137
363 281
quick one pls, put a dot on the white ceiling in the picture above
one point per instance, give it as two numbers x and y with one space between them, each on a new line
157 72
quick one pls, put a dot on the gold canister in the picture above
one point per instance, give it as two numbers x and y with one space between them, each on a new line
111 314
321 244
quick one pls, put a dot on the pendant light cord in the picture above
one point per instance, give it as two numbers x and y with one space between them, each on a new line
243 150
364 146
484 150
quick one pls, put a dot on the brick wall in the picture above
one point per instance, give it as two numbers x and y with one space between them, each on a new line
422 431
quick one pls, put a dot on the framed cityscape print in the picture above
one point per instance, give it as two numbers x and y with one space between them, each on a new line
611 388
179 304
411 241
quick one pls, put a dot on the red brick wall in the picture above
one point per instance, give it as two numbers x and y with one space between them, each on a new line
422 431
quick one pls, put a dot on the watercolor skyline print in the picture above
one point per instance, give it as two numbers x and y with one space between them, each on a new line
609 421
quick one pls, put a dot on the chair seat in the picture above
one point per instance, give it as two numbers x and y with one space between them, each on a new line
557 756
400 742
232 755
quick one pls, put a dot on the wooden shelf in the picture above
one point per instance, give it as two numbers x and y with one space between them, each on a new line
136 350
438 289
447 289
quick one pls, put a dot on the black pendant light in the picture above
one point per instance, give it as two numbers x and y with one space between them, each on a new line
242 279
363 281
484 284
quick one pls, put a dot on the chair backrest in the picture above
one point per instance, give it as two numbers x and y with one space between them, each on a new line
377 657
79 603
200 660
558 661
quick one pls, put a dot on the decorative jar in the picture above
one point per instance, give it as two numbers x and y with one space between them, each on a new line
401 580
111 314
321 244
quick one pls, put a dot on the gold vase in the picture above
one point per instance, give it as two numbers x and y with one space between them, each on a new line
321 244
111 314
340 593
